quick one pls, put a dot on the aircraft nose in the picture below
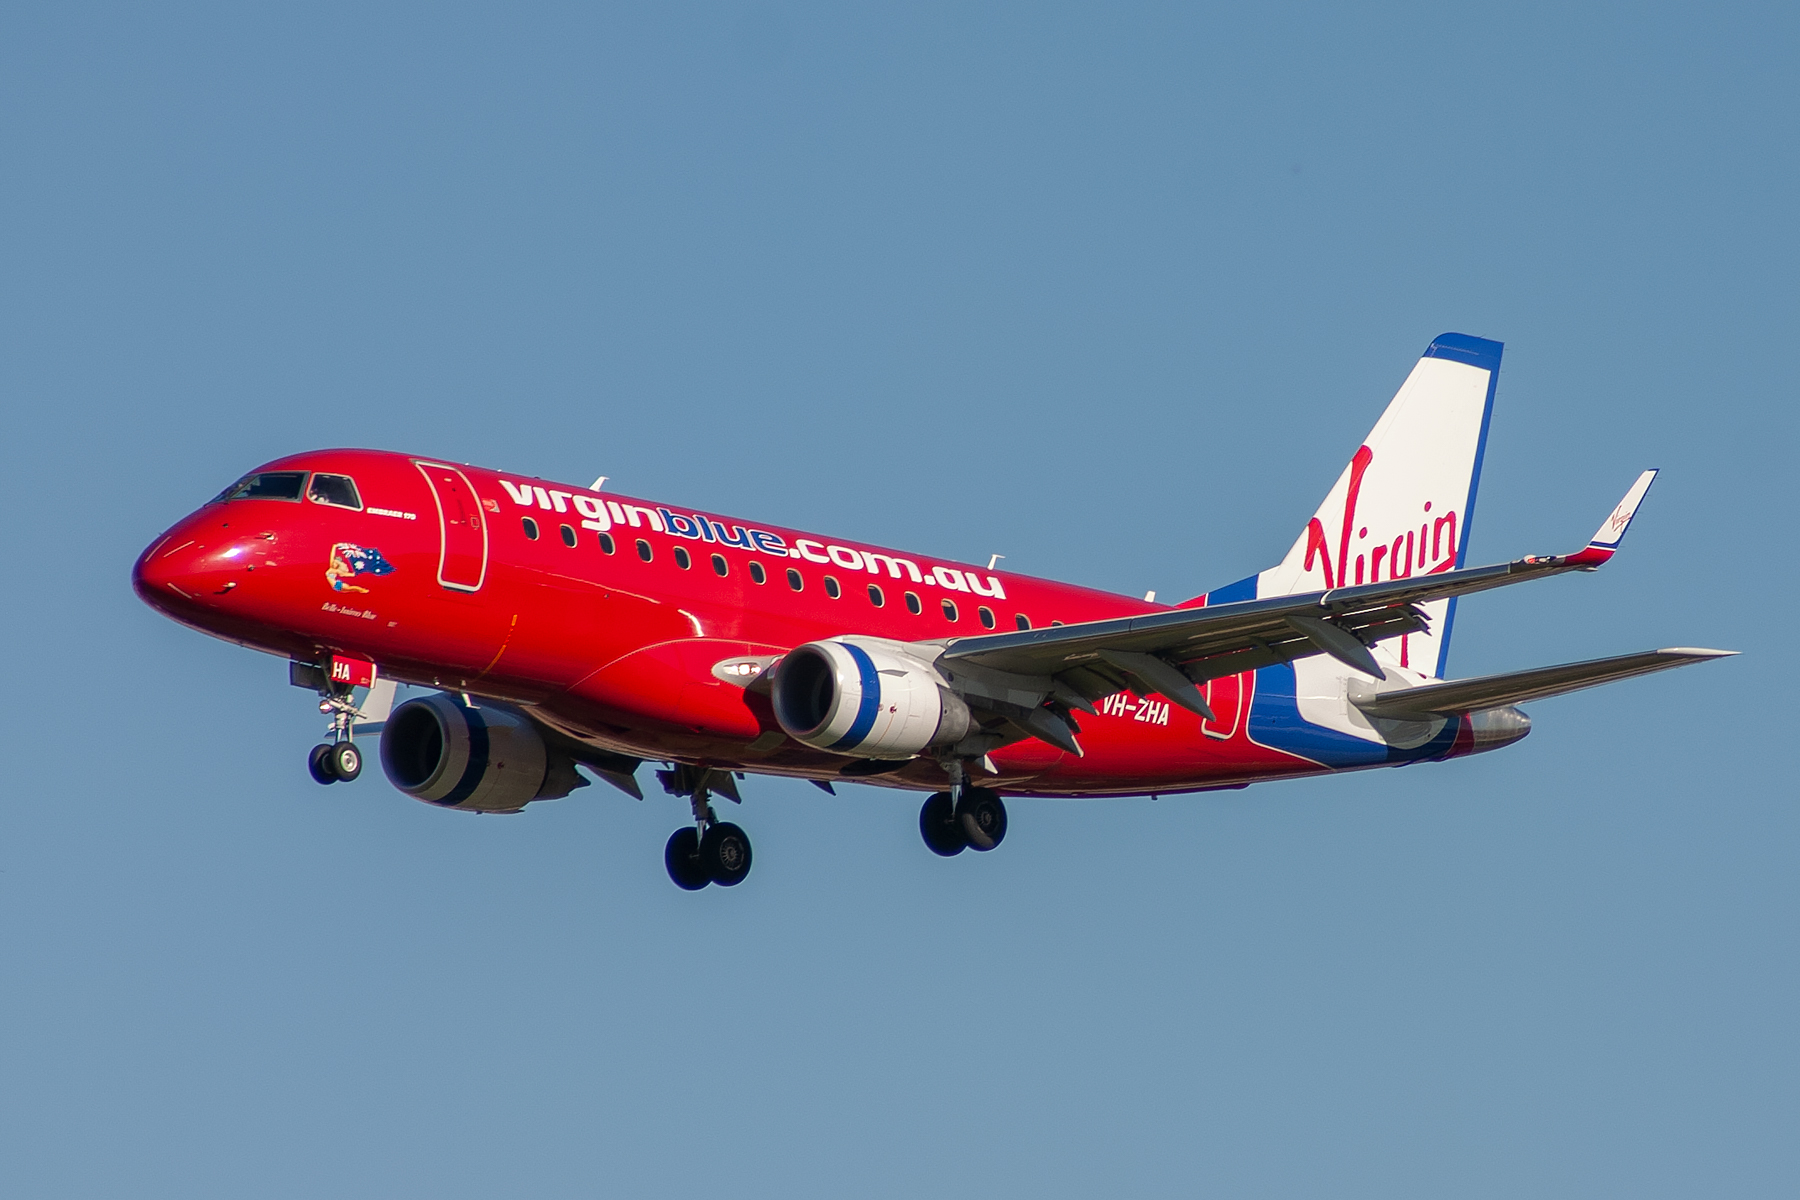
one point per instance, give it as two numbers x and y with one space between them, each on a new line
187 566
164 572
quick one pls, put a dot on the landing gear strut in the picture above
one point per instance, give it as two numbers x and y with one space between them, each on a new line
337 760
710 850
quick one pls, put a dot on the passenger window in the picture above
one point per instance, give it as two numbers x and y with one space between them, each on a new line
529 526
719 567
606 544
794 579
681 558
1022 621
757 574
568 537
643 549
338 490
831 587
269 485
875 596
949 610
987 616
912 604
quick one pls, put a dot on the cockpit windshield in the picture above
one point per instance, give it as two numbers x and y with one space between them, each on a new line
339 490
266 485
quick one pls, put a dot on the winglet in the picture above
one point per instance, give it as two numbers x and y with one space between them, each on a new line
1606 539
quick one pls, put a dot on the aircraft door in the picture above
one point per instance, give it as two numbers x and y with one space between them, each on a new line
463 539
1228 696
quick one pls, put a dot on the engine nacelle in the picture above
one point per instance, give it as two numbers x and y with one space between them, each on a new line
867 698
488 759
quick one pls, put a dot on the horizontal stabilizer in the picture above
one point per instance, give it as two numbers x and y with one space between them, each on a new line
1493 691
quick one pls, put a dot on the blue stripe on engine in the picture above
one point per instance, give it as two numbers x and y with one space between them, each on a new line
871 699
478 759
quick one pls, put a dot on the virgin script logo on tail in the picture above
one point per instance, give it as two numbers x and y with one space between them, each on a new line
1405 554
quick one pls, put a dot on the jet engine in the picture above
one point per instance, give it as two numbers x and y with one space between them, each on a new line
487 759
868 698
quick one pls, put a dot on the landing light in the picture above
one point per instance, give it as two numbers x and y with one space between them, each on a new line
743 671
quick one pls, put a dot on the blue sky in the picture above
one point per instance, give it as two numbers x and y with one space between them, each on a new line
1113 291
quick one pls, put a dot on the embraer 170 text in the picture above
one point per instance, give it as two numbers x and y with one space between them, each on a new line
562 628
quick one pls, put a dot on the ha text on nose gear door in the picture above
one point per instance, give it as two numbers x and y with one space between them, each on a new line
463 548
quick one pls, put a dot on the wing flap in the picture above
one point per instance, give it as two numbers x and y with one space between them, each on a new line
1519 687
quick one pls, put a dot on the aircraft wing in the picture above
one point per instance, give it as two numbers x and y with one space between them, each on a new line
1518 687
1168 653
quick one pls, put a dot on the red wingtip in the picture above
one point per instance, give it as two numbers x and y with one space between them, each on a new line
1593 556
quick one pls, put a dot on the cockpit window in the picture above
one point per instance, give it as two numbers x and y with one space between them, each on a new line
268 485
334 489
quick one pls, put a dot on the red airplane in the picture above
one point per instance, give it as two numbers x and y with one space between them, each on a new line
562 627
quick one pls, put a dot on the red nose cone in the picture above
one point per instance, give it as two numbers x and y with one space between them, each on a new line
193 566
157 575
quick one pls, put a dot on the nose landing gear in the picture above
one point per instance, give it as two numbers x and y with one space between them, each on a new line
338 760
710 850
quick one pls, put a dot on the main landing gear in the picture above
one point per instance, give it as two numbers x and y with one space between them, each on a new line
963 818
339 760
710 850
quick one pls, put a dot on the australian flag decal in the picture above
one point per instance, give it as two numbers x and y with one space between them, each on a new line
348 561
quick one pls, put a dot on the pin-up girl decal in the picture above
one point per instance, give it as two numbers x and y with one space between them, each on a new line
348 561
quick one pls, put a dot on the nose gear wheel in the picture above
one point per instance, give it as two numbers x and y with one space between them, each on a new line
317 765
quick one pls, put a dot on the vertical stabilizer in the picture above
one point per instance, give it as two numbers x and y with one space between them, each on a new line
1403 506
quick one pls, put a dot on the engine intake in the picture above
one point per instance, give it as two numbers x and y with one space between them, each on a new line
867 698
488 759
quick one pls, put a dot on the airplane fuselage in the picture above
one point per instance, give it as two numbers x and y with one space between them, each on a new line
641 628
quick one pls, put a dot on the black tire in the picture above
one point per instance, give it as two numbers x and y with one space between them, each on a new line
725 853
344 761
316 764
982 817
943 834
682 857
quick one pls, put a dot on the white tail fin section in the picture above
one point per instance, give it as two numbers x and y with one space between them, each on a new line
1403 505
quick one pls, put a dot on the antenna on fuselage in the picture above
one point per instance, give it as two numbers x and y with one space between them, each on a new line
597 484
994 558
